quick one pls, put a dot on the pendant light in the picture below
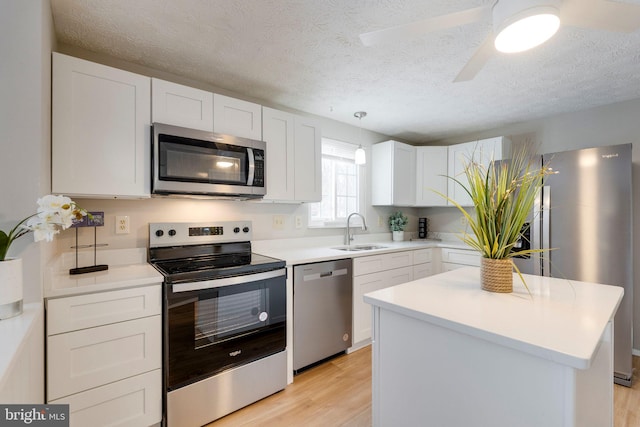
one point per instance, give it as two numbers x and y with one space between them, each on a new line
360 158
524 24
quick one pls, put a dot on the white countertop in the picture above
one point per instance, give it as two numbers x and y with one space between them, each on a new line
127 269
294 252
562 321
13 331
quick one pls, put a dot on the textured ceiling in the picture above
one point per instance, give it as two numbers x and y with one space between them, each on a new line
306 55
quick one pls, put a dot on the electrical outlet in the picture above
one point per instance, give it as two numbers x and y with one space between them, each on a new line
298 221
380 221
122 224
463 221
278 222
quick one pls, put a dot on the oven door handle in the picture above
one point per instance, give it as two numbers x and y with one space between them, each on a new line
227 281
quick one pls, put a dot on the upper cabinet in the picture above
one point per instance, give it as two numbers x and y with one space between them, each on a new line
483 151
393 180
431 175
180 105
293 157
101 121
236 117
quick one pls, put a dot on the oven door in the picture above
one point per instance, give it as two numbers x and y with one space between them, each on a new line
195 162
215 325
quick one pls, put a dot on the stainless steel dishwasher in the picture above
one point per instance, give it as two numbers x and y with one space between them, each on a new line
322 309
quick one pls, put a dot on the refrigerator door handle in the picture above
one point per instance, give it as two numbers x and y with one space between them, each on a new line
546 228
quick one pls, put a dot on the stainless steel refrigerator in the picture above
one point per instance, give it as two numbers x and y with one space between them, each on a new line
585 213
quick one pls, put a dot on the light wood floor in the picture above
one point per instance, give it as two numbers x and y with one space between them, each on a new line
338 393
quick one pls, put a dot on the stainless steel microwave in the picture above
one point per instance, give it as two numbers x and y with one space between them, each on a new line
196 163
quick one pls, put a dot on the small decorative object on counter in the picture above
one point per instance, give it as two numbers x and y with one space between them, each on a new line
54 213
397 222
423 228
94 219
503 195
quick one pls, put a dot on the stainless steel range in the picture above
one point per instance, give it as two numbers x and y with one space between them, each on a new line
224 319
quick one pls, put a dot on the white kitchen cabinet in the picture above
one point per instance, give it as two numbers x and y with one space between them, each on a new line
375 272
431 175
369 283
393 180
104 356
308 160
458 258
422 263
294 157
101 120
483 151
180 105
236 117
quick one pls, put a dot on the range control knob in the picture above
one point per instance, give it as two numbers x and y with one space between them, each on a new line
246 229
159 233
236 230
172 232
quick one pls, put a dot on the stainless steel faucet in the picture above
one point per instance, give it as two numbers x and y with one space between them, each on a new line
349 237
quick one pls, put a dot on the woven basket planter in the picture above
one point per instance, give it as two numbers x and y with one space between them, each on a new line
496 275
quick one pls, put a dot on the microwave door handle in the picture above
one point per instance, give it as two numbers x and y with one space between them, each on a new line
252 166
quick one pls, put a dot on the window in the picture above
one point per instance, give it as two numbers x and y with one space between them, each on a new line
340 185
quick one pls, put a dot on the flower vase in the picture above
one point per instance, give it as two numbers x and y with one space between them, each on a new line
397 236
496 275
10 288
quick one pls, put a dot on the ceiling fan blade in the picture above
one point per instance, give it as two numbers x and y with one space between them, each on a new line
405 32
477 61
601 15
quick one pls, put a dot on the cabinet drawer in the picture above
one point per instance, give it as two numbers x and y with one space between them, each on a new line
421 256
422 270
135 401
461 256
375 263
448 266
84 359
86 311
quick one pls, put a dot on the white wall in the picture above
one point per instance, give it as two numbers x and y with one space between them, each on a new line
25 109
608 125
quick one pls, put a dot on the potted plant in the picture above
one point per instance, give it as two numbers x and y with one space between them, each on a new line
54 213
503 195
397 222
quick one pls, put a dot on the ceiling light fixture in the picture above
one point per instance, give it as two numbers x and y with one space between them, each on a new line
361 157
524 24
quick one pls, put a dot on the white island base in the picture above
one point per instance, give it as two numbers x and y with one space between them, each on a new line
447 354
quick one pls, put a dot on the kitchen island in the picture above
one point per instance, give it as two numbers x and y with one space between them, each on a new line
446 353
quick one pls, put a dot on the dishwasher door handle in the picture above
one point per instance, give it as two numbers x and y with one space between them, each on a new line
333 273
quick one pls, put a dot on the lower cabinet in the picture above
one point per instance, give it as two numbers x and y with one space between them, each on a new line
109 372
458 258
374 272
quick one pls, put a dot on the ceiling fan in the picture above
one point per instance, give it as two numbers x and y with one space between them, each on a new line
518 25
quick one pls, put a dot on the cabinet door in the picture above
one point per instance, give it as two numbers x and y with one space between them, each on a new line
278 133
308 160
101 119
89 358
382 174
459 156
236 117
180 105
404 175
431 176
369 283
135 401
393 178
422 270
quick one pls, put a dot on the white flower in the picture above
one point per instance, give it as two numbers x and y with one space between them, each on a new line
42 229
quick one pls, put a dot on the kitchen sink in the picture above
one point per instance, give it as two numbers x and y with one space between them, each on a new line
360 247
